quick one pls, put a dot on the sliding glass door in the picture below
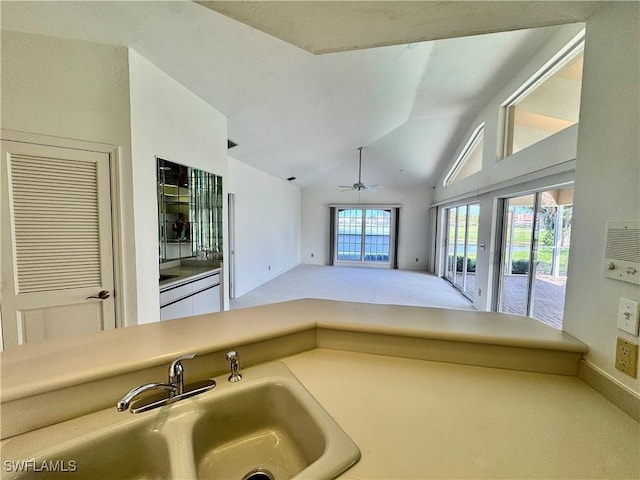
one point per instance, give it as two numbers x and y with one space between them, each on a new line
364 236
461 247
535 254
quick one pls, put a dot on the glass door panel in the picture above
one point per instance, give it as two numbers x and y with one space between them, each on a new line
535 254
517 245
461 242
553 229
473 216
461 245
451 244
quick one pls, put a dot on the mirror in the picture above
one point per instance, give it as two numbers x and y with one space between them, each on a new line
189 213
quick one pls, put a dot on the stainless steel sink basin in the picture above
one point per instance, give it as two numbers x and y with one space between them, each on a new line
165 276
266 426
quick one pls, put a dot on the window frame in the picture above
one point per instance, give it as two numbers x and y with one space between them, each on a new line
472 143
394 210
564 56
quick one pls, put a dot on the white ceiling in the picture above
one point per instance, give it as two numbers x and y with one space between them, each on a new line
294 113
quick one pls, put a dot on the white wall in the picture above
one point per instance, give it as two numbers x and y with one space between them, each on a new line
267 225
169 121
78 90
541 165
413 241
607 179
606 170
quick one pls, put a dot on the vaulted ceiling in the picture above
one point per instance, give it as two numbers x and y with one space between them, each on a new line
303 96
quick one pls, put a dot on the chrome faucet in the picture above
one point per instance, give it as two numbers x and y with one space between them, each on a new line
234 359
175 385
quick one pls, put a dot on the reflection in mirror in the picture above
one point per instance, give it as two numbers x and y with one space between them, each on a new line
189 213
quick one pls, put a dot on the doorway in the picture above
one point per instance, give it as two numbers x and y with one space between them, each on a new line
461 244
57 242
534 254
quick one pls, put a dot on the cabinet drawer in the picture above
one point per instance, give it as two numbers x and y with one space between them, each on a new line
172 294
206 282
180 309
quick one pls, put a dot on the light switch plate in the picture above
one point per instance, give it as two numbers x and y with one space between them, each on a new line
629 316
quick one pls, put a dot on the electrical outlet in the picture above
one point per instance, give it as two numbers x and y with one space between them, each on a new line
627 357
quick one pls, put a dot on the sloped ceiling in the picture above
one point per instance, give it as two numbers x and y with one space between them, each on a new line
294 113
336 26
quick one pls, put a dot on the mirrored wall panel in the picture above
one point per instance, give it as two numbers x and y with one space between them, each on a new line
189 213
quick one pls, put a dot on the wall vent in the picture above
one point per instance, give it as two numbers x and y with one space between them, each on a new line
622 252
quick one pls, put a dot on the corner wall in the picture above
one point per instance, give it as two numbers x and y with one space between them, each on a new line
543 164
267 225
607 180
169 121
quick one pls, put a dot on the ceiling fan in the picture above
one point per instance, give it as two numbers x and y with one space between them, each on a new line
359 186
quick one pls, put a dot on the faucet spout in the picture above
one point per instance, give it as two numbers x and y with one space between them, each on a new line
124 402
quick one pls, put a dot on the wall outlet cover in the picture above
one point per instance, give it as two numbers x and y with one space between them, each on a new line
627 357
629 316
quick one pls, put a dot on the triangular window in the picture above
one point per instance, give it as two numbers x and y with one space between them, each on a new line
470 159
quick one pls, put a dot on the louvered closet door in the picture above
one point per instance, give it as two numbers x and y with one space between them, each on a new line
56 243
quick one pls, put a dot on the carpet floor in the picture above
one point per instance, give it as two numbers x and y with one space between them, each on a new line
353 284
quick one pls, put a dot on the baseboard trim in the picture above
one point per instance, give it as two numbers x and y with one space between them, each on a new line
614 391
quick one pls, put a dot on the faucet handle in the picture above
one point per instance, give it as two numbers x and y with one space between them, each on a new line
178 360
176 370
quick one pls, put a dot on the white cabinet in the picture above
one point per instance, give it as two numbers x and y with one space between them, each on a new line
206 301
194 296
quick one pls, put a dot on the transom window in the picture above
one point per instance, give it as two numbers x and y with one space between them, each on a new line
548 103
470 159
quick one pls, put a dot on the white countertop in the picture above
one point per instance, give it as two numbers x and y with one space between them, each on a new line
414 419
51 365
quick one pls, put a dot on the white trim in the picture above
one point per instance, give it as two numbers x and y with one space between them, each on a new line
469 148
371 206
392 235
565 55
610 388
539 176
116 206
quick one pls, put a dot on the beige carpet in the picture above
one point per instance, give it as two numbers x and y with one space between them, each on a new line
353 284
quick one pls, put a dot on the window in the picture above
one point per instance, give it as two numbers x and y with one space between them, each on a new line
548 103
363 235
470 160
461 247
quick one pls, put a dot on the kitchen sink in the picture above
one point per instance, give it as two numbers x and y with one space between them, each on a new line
130 452
267 426
166 276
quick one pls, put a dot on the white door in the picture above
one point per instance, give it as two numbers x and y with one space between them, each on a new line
56 243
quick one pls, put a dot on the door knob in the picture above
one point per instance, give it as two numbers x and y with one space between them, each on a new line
102 295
